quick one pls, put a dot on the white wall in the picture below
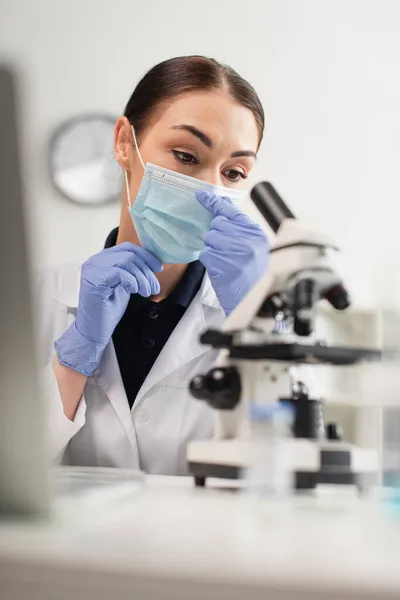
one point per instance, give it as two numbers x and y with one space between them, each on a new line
327 72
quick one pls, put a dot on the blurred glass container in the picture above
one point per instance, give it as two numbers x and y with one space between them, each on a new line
388 383
270 471
390 394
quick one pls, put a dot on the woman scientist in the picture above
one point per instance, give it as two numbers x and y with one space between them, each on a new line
125 325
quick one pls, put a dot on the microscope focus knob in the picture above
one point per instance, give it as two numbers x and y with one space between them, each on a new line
220 388
338 297
333 431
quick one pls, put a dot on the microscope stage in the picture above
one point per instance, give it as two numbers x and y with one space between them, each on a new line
289 351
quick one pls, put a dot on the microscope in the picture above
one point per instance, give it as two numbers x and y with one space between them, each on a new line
264 345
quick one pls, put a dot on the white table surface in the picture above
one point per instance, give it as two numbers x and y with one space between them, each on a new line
169 540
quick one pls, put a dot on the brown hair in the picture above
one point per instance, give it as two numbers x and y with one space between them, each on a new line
183 74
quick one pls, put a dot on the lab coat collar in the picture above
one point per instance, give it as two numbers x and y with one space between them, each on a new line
68 284
207 295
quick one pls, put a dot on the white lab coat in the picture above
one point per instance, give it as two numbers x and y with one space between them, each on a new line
153 435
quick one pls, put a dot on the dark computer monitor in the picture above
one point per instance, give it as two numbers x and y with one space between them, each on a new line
23 461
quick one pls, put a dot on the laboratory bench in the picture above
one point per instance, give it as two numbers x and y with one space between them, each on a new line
161 538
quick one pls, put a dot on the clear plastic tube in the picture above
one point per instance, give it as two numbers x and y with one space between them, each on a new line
270 470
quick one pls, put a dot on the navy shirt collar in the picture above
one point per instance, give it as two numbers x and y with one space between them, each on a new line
188 286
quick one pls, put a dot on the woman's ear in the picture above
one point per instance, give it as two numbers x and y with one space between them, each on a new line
123 141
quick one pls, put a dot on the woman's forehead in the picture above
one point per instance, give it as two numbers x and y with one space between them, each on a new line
215 113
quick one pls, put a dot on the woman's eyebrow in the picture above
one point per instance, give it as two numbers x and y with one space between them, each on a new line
203 137
207 141
244 153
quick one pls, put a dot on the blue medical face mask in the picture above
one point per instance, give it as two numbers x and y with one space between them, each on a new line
169 221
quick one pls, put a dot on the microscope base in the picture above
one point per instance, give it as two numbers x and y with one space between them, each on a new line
313 463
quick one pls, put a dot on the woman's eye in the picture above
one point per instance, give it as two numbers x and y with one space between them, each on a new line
185 157
234 175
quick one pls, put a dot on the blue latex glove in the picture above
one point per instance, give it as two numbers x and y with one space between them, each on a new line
107 281
236 251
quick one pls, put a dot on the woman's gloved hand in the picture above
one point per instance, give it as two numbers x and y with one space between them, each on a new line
107 281
236 251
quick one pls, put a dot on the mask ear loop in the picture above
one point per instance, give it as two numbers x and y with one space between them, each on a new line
126 174
128 193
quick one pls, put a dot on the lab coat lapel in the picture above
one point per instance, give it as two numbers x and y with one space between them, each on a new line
184 344
110 380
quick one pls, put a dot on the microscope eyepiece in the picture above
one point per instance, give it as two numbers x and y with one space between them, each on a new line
270 204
